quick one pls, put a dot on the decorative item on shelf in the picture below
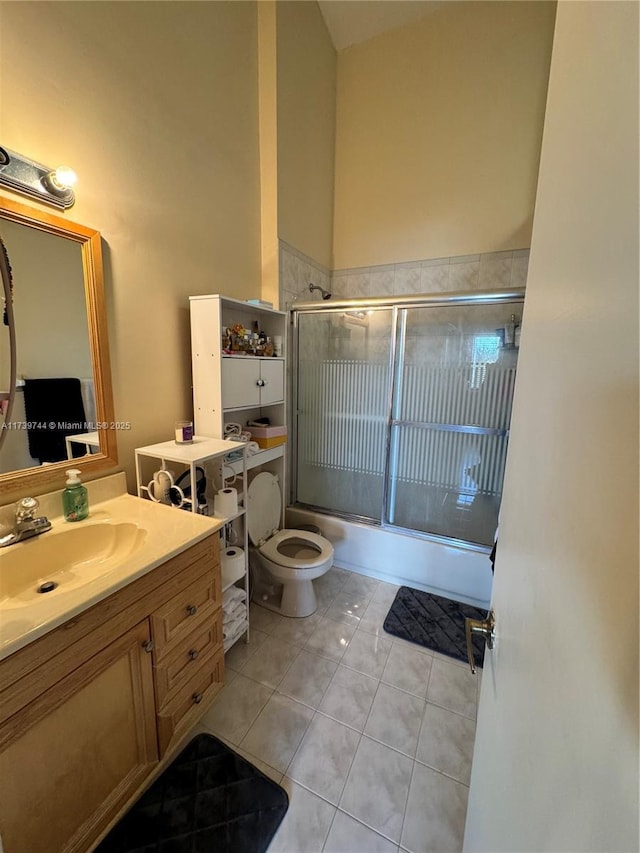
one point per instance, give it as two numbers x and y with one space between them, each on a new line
184 432
237 340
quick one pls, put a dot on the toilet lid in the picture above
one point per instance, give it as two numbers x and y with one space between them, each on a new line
264 507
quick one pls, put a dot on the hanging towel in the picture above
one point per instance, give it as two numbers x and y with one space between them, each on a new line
53 409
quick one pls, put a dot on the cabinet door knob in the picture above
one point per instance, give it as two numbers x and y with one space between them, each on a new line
197 698
192 609
148 646
193 654
260 383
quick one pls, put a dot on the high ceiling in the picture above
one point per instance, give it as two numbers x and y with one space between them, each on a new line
353 21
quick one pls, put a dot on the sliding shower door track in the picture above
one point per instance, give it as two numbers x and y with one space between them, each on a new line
471 429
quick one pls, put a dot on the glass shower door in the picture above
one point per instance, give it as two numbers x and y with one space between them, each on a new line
343 396
451 410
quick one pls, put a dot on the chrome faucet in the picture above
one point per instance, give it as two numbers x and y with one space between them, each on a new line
27 524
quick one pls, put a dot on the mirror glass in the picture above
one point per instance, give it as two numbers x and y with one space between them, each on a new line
62 406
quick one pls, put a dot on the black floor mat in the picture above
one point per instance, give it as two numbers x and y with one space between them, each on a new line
434 622
209 800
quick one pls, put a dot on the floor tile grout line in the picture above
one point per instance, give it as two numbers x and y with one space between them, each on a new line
298 744
335 805
253 722
441 772
453 711
358 821
323 692
424 713
406 802
372 828
264 684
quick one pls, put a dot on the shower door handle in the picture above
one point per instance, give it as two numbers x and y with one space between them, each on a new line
485 628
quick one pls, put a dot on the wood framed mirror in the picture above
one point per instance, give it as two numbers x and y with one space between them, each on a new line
59 310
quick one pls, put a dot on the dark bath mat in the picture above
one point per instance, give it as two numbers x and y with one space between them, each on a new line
209 800
434 622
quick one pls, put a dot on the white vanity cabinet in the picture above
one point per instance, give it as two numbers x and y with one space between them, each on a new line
249 382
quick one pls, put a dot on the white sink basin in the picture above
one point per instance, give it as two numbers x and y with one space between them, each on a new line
66 559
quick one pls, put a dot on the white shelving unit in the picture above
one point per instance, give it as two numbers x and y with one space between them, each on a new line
211 455
231 388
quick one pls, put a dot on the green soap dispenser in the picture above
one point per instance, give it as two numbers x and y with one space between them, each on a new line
75 499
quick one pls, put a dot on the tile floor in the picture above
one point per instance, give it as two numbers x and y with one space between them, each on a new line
371 737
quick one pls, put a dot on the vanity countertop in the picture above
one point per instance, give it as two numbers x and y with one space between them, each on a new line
163 532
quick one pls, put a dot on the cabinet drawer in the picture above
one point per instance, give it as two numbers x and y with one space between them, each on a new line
178 666
185 708
175 620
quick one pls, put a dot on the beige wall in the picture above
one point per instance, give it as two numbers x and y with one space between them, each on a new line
306 129
155 107
438 134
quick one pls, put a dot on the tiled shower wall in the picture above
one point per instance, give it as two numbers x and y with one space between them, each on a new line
296 272
490 271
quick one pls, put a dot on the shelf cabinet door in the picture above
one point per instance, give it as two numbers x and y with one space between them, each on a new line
70 759
240 387
272 375
251 382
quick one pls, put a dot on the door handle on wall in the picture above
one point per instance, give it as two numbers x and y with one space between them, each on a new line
484 628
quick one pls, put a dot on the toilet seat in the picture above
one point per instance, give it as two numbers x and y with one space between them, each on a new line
270 549
263 520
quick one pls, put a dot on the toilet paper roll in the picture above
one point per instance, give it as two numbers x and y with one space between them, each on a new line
225 503
232 563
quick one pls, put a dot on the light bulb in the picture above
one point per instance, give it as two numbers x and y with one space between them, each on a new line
65 176
59 182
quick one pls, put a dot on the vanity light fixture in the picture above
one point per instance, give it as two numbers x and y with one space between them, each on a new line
22 175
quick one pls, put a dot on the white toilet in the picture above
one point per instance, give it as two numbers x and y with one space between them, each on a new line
283 562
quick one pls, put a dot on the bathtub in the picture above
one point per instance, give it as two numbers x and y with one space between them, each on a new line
398 558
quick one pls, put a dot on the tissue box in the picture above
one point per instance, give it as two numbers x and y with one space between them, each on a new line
266 437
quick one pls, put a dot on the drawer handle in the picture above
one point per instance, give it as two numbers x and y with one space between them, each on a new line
193 654
192 609
148 646
197 698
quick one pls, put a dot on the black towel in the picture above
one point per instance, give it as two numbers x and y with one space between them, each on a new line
53 409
